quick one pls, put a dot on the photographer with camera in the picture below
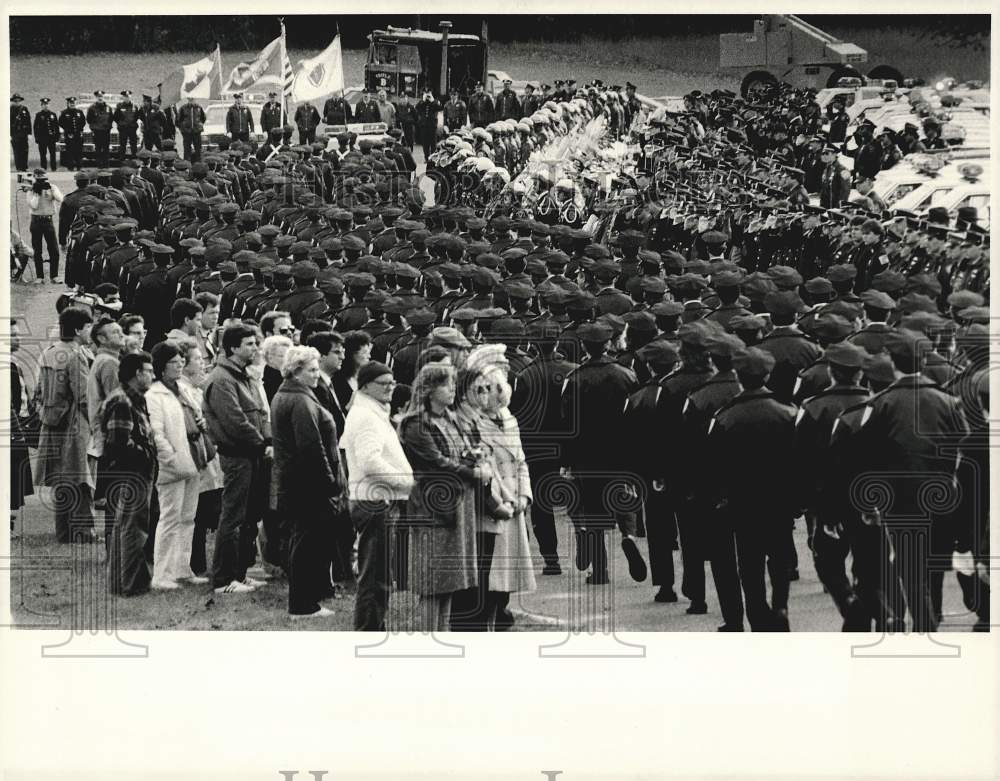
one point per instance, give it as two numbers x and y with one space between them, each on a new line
42 199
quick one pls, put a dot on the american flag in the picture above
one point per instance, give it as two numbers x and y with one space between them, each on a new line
287 74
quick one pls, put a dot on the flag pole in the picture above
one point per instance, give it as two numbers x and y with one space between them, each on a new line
343 96
281 68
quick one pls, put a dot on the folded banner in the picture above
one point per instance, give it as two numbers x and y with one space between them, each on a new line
201 79
320 76
264 71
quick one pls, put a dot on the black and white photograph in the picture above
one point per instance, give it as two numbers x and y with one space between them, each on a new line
434 390
481 323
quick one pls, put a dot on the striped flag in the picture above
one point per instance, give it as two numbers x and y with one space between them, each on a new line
287 74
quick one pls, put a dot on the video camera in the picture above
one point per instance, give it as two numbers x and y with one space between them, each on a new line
28 181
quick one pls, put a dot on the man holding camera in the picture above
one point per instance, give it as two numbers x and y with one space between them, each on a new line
42 199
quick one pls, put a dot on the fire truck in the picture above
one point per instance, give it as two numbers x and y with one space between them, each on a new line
784 48
405 61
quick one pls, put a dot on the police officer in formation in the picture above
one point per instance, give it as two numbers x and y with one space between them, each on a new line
682 368
46 131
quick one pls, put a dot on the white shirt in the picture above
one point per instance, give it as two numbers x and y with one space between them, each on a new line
44 204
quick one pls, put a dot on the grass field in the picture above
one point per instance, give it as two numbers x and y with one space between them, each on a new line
666 66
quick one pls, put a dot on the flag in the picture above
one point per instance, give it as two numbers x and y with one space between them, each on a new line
264 71
201 79
287 75
320 76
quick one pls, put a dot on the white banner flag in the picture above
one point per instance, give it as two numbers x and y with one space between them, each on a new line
320 76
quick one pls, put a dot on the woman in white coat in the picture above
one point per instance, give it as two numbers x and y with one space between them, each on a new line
174 416
512 569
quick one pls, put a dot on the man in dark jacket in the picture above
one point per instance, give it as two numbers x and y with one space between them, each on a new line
191 121
306 120
835 185
367 109
427 123
154 122
126 117
536 403
456 113
99 118
238 424
594 399
239 120
507 104
20 129
73 122
270 114
480 107
46 129
337 111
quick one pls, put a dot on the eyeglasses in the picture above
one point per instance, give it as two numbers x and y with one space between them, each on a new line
286 331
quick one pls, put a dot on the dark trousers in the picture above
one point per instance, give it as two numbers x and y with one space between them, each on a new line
339 543
475 609
73 511
244 136
102 146
129 136
242 507
919 588
154 520
661 535
43 230
129 503
761 542
409 133
205 518
690 524
428 140
543 521
591 518
372 521
192 146
830 557
152 140
307 136
20 144
73 154
721 550
305 562
47 151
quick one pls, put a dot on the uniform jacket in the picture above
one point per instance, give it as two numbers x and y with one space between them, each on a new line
126 115
72 121
191 118
507 105
46 126
239 119
793 352
367 112
481 111
456 114
270 116
20 121
593 403
427 112
337 111
99 117
306 117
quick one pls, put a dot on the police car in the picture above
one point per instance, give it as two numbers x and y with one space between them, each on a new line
215 119
916 170
857 98
970 187
360 129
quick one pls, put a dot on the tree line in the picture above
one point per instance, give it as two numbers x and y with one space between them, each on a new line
71 35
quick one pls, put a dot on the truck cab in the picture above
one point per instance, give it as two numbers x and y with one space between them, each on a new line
405 61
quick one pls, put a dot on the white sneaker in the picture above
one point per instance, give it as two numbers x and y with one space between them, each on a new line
258 573
164 585
235 588
196 580
38 281
323 612
56 281
254 583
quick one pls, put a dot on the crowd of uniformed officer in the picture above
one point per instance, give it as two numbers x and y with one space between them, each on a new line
710 358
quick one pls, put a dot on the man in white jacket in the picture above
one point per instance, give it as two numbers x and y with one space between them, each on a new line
379 477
